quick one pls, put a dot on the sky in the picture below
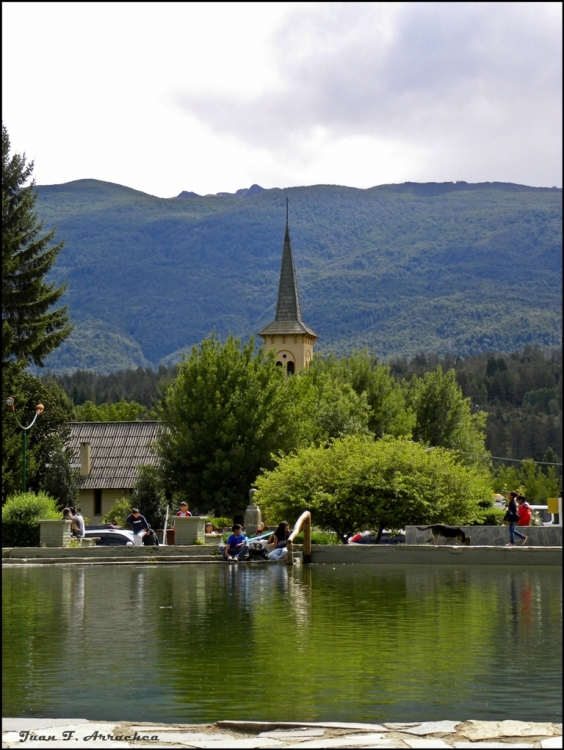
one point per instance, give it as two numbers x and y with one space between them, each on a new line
214 97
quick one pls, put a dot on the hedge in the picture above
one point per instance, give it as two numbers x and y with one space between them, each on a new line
21 515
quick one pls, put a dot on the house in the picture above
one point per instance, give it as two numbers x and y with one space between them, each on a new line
108 456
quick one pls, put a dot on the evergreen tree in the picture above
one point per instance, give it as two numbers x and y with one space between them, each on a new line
148 495
30 328
60 480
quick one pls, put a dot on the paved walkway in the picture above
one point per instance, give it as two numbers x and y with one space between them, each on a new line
81 733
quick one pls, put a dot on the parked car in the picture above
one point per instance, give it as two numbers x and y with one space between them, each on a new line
369 537
107 535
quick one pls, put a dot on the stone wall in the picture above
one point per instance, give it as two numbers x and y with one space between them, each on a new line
495 536
55 533
404 554
188 529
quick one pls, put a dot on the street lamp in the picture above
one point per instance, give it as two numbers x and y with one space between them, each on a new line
39 409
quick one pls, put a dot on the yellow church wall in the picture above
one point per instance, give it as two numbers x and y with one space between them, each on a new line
292 348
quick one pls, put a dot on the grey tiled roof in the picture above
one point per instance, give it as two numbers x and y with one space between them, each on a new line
288 318
117 450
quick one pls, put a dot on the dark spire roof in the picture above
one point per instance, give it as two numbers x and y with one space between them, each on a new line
288 318
288 307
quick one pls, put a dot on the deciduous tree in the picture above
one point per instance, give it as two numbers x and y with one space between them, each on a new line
357 483
444 417
227 411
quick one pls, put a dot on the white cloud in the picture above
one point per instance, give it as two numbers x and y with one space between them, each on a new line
165 97
475 83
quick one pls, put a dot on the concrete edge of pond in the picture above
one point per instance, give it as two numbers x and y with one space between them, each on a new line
39 732
400 554
406 554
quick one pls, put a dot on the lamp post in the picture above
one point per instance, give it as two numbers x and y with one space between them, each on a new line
39 409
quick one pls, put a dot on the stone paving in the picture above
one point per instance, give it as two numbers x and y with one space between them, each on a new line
81 733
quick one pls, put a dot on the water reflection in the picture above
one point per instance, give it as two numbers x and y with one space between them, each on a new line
358 643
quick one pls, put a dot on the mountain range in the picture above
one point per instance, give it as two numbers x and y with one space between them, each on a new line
399 269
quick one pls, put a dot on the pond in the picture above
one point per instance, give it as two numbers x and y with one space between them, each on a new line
199 643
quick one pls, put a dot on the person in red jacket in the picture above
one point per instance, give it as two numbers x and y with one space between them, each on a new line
524 510
183 510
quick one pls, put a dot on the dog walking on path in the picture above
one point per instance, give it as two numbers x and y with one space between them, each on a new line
448 532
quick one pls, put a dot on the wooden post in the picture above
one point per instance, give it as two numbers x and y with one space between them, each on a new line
307 540
290 555
303 521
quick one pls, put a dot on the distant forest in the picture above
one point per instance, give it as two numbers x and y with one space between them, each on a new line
521 393
396 269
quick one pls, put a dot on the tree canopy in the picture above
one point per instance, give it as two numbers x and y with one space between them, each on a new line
230 409
357 482
227 412
123 411
443 417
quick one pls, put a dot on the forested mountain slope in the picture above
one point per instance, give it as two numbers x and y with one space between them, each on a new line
450 267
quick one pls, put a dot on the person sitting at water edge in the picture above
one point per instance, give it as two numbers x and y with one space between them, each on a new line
68 516
236 547
261 529
79 521
280 540
151 539
137 522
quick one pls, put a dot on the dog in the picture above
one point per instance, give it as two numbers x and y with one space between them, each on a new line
448 532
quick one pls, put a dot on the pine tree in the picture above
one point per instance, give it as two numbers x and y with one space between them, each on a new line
30 328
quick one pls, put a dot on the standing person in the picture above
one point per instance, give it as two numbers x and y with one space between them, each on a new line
79 521
524 511
280 540
183 509
511 518
137 522
236 546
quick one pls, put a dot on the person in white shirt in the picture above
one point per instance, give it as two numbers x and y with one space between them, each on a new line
79 521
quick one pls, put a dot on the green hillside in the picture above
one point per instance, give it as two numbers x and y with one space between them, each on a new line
397 268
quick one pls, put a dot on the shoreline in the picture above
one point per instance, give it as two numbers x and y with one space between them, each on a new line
42 733
398 554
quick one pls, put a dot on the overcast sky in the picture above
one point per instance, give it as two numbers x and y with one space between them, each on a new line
210 97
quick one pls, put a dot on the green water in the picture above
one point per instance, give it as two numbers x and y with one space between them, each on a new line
198 643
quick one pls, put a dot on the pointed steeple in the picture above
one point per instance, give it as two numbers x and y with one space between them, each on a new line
288 306
288 318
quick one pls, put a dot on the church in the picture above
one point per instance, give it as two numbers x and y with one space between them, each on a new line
291 339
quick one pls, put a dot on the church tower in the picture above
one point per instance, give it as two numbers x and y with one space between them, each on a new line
288 335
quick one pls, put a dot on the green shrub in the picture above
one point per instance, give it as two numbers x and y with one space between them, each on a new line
220 523
491 517
21 515
118 512
319 537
